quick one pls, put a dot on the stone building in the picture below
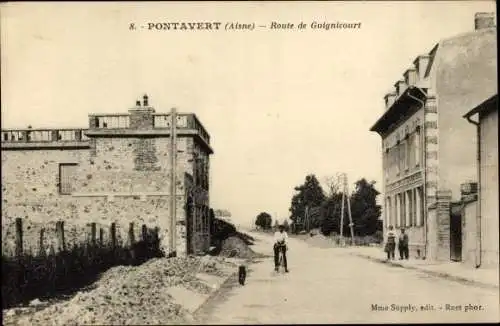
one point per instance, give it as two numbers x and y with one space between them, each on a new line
426 145
120 170
480 219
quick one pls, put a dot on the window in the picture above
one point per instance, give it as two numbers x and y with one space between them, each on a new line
386 163
398 157
388 209
398 210
417 146
413 207
420 194
67 172
409 205
402 217
406 154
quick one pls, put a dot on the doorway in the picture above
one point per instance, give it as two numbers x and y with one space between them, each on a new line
456 233
189 225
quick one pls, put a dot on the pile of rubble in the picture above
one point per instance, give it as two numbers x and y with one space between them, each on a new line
236 247
131 295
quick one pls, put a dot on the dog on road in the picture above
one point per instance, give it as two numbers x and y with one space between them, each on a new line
242 274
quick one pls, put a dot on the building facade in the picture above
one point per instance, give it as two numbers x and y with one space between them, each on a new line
481 224
426 145
123 168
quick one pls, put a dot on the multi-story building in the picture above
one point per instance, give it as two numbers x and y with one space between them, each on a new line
482 224
426 145
126 167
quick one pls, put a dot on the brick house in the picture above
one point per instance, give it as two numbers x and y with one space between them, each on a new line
118 170
425 144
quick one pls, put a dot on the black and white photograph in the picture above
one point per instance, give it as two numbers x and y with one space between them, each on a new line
249 162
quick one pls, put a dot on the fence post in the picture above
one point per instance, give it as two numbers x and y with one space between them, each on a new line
61 244
131 237
112 234
101 236
131 241
52 251
19 237
144 233
156 240
41 251
92 234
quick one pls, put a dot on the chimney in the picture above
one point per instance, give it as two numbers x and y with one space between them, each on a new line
468 191
400 87
484 20
410 76
389 99
141 117
421 63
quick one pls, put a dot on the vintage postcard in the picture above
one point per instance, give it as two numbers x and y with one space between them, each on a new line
250 162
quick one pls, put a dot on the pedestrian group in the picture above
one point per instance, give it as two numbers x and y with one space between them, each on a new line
390 245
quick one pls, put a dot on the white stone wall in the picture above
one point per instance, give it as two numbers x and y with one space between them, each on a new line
489 189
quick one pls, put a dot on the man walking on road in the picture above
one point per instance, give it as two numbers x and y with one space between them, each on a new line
403 245
280 244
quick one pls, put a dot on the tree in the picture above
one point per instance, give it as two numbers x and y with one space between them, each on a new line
276 224
333 208
286 225
264 221
364 208
310 194
365 211
269 221
333 185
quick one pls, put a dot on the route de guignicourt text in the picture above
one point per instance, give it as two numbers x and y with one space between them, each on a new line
229 26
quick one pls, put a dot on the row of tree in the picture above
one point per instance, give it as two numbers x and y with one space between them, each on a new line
364 209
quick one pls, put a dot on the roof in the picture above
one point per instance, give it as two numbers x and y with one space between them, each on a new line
400 109
489 104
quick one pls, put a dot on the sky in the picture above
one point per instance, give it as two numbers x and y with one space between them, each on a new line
278 104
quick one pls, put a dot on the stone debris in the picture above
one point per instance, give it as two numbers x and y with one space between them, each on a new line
236 247
35 302
126 295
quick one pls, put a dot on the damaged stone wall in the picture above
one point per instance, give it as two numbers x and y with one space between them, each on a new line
107 185
30 181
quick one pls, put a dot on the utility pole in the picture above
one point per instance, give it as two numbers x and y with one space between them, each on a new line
342 218
351 225
345 195
173 180
306 219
